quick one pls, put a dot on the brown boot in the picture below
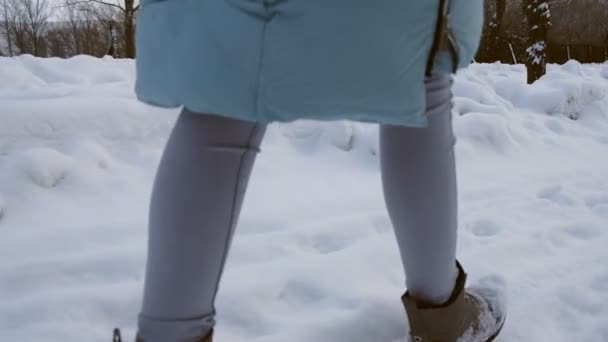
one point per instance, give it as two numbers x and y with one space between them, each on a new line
208 337
474 315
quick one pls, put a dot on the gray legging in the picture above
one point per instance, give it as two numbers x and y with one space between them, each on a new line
199 190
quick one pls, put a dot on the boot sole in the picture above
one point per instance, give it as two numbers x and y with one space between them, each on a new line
491 338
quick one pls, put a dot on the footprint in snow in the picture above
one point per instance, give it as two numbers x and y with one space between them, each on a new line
337 236
45 167
554 125
381 224
485 228
556 195
581 300
596 199
600 283
330 242
601 210
598 204
531 126
564 236
301 292
254 227
374 319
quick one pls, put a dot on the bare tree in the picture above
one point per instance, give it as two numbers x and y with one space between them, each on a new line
5 28
36 16
24 24
14 26
72 15
87 26
58 40
127 11
493 43
495 24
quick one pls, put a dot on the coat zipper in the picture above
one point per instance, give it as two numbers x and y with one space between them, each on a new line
443 38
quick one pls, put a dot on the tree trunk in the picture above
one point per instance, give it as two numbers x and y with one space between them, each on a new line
113 50
34 41
127 22
6 27
10 45
9 38
129 38
538 17
496 42
129 28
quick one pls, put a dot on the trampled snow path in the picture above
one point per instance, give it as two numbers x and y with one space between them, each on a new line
314 258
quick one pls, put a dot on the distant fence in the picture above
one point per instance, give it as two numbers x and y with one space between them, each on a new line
582 53
511 53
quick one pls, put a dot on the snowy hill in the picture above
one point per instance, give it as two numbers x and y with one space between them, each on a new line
314 257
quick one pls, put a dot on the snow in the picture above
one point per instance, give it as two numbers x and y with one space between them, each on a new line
535 52
314 258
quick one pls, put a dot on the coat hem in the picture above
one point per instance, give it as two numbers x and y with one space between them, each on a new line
418 121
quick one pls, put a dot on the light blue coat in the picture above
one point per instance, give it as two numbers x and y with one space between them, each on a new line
282 60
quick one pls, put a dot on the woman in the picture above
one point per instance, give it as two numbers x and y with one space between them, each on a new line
237 65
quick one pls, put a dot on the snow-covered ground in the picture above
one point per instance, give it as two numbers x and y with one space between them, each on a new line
314 258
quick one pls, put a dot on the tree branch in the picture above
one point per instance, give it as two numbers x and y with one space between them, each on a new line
100 2
108 4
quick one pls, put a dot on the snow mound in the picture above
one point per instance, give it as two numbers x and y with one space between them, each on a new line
90 152
485 131
314 257
44 167
563 93
17 77
604 72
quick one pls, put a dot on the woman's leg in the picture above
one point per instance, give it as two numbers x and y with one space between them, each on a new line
419 178
196 201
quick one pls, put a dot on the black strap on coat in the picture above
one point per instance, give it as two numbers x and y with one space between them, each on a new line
443 39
